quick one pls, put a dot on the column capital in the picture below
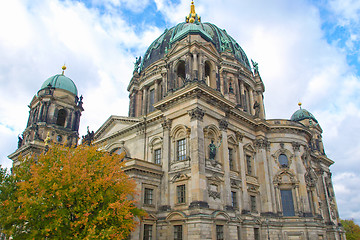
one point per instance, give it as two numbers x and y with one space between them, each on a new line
223 124
196 114
166 124
296 146
239 136
262 143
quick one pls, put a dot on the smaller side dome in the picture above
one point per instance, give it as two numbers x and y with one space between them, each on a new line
62 82
302 114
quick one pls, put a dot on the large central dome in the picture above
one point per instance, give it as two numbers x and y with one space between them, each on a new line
222 41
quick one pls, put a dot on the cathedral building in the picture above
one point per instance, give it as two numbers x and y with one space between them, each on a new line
207 162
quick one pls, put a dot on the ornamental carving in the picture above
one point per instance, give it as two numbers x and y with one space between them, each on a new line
262 143
214 194
223 124
240 136
166 124
296 146
196 114
310 178
180 177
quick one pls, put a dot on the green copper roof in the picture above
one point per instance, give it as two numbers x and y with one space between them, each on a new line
222 41
302 114
62 82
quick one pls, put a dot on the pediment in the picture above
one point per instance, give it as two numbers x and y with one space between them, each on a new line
113 125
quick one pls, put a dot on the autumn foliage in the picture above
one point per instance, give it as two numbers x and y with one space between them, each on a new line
68 193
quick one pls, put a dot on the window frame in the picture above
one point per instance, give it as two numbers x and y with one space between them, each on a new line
148 201
249 164
158 156
148 228
253 204
220 232
234 199
181 153
231 159
181 194
178 232
289 204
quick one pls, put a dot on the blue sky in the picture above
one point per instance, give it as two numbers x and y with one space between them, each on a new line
307 51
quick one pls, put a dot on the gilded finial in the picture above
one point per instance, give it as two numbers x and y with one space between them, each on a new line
300 104
47 139
63 68
192 17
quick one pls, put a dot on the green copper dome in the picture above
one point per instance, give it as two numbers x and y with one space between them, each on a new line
302 114
62 82
222 41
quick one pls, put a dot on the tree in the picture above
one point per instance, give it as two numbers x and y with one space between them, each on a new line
352 230
68 193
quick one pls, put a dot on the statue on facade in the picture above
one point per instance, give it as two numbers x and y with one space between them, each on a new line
88 138
255 66
212 149
257 109
20 141
137 64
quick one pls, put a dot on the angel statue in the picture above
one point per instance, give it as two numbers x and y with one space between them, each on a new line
212 149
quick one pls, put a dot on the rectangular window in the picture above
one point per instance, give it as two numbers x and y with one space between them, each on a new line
180 190
231 159
256 234
219 232
253 203
287 203
233 199
178 232
248 165
148 196
181 149
157 156
151 100
147 232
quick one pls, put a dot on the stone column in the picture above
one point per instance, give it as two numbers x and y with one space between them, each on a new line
166 151
304 205
263 174
242 94
270 167
251 96
156 91
261 102
201 67
164 84
139 104
223 125
197 155
245 205
218 84
145 101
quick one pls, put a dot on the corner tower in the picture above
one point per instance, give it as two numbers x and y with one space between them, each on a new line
55 111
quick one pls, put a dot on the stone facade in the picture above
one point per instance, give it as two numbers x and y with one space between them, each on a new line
207 162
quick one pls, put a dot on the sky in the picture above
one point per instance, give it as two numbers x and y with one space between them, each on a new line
307 51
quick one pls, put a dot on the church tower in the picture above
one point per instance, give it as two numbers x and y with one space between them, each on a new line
54 114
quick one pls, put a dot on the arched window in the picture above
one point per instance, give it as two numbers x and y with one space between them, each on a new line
61 117
207 73
180 72
283 160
